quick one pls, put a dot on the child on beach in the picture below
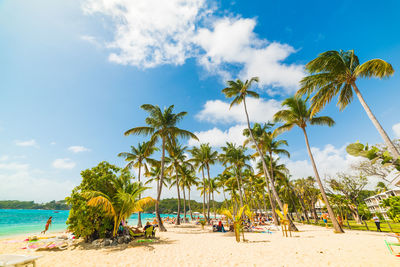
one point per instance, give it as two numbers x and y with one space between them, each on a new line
47 225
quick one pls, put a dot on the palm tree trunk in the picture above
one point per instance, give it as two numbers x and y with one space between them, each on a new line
139 225
240 191
241 186
178 216
215 213
303 206
335 223
393 150
209 191
159 221
191 214
226 202
184 205
266 174
204 195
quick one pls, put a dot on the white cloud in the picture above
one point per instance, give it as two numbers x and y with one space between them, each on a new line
31 142
396 129
217 137
77 149
53 143
63 164
232 42
24 185
329 161
156 32
13 166
4 158
260 110
150 33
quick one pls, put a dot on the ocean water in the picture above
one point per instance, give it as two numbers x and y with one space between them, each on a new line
16 222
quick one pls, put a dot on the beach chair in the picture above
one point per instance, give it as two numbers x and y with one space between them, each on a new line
392 240
12 260
150 232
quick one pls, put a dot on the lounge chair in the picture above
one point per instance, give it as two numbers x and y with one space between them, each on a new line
17 260
392 240
150 232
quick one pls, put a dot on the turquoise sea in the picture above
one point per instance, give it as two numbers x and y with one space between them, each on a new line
16 222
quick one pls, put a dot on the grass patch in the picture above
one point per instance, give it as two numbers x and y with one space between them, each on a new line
362 227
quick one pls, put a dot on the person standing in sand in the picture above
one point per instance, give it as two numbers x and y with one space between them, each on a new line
47 225
377 223
325 219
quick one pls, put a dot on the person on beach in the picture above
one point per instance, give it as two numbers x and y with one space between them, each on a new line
325 219
340 221
377 223
47 225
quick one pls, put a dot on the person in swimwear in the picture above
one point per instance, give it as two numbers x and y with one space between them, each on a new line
325 219
47 225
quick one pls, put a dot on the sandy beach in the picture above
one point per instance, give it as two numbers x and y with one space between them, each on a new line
189 245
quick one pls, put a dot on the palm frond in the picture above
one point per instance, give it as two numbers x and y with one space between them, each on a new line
374 68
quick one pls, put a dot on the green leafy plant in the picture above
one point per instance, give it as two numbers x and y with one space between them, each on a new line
238 220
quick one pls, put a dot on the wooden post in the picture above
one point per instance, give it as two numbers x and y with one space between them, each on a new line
366 225
390 227
347 220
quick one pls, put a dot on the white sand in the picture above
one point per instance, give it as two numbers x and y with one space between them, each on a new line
188 245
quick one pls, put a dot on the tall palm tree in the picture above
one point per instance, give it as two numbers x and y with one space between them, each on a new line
120 200
235 158
213 189
335 73
239 90
268 145
188 179
176 159
203 157
138 158
161 126
298 114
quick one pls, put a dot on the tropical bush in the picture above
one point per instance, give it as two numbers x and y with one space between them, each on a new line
393 203
91 222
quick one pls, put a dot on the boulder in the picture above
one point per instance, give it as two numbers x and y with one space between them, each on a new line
107 242
120 240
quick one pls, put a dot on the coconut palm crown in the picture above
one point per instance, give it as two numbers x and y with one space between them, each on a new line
334 73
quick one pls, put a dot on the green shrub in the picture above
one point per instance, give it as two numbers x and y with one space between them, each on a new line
85 221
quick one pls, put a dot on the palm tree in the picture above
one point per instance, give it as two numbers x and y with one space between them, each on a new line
176 159
161 125
268 145
214 188
235 157
298 114
300 191
120 200
239 90
381 187
188 178
203 157
335 73
138 157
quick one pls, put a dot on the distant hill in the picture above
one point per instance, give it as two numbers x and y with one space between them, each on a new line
16 204
170 205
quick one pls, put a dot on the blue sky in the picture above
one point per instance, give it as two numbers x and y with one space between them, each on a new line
74 74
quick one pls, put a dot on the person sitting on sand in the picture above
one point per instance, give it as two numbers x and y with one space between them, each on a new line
147 226
47 225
